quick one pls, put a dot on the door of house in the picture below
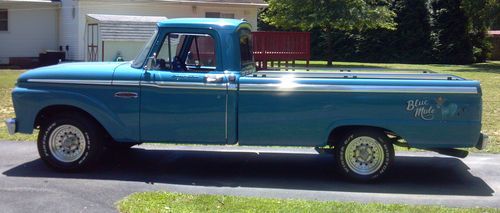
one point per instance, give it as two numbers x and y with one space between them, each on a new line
92 42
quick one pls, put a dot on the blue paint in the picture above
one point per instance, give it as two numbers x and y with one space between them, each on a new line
227 115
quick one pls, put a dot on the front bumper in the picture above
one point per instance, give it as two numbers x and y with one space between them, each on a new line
482 143
11 125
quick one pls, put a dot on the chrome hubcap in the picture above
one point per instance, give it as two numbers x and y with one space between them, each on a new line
67 143
364 155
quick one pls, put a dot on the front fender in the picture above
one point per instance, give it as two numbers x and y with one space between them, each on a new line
29 102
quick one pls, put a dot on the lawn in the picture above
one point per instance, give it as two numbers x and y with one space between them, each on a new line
7 82
487 73
174 202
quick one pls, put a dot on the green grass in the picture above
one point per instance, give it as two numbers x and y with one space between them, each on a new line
7 82
487 73
175 202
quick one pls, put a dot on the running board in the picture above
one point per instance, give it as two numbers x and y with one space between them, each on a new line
451 152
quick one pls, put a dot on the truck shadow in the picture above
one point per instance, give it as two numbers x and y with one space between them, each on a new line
410 175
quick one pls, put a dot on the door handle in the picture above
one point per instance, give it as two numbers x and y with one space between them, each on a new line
214 78
126 95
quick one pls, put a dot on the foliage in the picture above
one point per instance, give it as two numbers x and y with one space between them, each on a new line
427 31
328 16
482 15
413 36
452 43
495 11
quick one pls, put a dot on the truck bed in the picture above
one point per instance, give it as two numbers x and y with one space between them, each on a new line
290 108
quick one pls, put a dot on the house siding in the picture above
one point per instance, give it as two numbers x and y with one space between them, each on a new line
68 24
36 27
32 30
169 10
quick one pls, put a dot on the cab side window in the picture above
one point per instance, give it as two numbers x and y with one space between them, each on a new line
182 52
168 52
201 53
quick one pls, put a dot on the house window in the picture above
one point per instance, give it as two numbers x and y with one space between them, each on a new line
4 21
219 15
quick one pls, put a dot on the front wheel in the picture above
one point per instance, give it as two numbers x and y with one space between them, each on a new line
70 142
364 155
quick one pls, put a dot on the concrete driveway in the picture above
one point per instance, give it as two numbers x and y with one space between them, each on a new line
27 185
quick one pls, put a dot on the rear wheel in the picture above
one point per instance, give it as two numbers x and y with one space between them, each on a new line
364 154
70 142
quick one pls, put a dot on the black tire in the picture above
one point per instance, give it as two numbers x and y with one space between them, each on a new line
88 150
367 162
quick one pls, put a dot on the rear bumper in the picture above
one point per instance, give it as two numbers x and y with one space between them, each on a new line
482 143
11 125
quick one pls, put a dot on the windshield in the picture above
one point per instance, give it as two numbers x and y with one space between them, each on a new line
139 60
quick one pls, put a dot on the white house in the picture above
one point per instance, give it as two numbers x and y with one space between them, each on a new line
29 27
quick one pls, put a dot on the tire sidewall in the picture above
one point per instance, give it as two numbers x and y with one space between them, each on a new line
387 148
92 146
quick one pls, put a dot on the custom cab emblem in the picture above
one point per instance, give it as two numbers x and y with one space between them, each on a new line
421 109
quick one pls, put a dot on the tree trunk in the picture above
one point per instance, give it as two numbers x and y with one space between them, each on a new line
329 47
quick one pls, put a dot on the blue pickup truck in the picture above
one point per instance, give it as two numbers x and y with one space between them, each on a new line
196 82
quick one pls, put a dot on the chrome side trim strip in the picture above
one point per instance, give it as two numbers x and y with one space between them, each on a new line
68 81
357 88
160 84
187 85
126 83
294 87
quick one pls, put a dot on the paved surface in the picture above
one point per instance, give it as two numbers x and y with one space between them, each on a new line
27 185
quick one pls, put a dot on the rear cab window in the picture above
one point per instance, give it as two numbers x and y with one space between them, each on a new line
246 51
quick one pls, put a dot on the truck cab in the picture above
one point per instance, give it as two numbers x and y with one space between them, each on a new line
188 75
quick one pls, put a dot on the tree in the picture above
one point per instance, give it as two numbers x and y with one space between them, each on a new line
452 42
330 15
482 15
413 35
496 16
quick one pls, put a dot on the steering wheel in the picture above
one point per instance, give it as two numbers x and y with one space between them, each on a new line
177 64
161 64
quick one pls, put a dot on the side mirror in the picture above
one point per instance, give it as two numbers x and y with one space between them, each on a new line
150 63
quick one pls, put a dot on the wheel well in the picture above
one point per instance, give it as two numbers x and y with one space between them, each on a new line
51 110
340 132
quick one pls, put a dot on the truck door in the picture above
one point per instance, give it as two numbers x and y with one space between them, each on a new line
183 94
